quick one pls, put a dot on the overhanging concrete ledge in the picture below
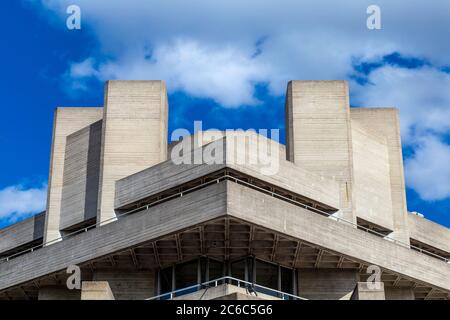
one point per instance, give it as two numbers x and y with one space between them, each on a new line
189 210
217 201
254 207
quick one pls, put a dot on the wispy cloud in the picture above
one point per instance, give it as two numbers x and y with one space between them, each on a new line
17 202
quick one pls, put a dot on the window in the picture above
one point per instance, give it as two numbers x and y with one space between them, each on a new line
249 269
267 274
165 280
186 274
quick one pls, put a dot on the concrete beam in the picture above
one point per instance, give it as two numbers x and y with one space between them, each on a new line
399 293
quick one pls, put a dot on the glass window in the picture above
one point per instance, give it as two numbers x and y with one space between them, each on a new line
165 278
186 274
215 269
267 274
287 280
238 269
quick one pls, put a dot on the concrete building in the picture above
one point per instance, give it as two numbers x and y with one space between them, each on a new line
131 217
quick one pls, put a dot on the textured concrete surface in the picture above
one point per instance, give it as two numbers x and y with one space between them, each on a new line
429 232
385 122
81 176
158 221
22 233
399 293
167 175
128 284
346 160
318 133
363 292
134 134
372 188
219 200
58 293
66 121
326 284
96 290
254 207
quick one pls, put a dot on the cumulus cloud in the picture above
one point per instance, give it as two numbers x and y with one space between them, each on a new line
226 74
422 95
428 170
212 44
220 49
17 202
76 77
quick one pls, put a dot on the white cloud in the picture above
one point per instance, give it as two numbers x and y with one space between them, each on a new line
207 49
304 40
422 95
16 201
76 77
226 74
428 171
83 69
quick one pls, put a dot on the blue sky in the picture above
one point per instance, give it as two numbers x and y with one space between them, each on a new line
226 64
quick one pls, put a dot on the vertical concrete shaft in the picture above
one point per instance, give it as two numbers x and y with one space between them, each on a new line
134 135
372 182
318 133
66 121
385 121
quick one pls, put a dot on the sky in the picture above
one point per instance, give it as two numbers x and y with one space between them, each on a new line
227 63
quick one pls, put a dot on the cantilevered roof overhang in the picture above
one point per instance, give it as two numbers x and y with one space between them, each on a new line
241 206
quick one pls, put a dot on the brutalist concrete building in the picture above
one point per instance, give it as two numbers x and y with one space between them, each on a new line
130 217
